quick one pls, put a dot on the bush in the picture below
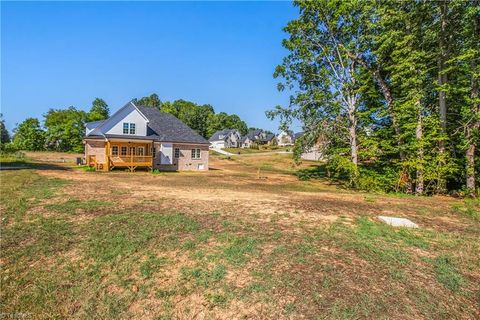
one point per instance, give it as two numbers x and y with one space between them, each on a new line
367 178
8 148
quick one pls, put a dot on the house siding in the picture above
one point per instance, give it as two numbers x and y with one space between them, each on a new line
114 125
185 162
95 148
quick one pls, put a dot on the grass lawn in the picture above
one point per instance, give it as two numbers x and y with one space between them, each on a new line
252 151
224 244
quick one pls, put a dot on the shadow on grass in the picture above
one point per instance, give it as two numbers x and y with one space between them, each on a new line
314 172
24 165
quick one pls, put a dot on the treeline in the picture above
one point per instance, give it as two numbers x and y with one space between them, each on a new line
389 90
201 118
63 129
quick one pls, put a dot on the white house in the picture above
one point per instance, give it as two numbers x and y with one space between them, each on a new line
285 138
227 138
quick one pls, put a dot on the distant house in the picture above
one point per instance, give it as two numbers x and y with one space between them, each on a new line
138 136
227 138
246 142
314 153
285 138
260 137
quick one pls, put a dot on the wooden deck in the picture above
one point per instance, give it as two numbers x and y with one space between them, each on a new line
131 157
131 162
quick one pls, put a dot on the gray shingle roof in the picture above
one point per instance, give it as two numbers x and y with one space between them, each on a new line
224 133
166 127
251 134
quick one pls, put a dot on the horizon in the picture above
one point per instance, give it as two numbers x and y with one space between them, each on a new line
217 53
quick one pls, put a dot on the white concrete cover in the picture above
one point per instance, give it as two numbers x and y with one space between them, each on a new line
398 222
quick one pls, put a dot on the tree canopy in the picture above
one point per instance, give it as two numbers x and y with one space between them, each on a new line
4 134
29 135
98 111
65 129
391 90
201 118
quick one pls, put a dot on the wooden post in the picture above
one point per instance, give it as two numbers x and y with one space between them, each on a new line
151 153
107 156
131 160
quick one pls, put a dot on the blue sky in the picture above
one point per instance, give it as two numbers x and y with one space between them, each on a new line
57 54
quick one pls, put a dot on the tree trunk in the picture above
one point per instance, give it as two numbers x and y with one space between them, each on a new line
470 155
419 137
387 94
353 144
352 130
442 95
472 143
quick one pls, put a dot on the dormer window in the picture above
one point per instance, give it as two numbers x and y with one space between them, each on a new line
129 128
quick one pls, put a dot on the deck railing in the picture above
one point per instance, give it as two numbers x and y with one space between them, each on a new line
130 159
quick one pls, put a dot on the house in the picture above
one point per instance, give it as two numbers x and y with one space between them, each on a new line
227 138
285 138
258 136
139 136
314 153
246 142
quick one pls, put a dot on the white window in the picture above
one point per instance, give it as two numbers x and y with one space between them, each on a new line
177 153
153 151
140 151
195 153
129 128
114 150
123 151
132 150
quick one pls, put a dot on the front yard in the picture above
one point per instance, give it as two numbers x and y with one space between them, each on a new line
229 243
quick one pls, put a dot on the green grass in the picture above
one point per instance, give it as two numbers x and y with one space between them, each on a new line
447 273
144 257
470 209
244 150
72 205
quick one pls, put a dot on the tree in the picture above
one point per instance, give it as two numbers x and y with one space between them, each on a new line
98 111
393 84
223 120
65 129
29 135
201 118
324 75
4 135
149 101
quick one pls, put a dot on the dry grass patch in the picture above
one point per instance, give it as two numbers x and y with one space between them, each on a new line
226 245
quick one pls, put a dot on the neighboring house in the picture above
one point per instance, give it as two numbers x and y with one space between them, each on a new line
314 153
258 136
138 136
227 138
246 142
285 138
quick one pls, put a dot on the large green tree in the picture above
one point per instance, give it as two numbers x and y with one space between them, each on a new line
29 135
4 135
201 118
65 129
412 68
150 101
98 111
